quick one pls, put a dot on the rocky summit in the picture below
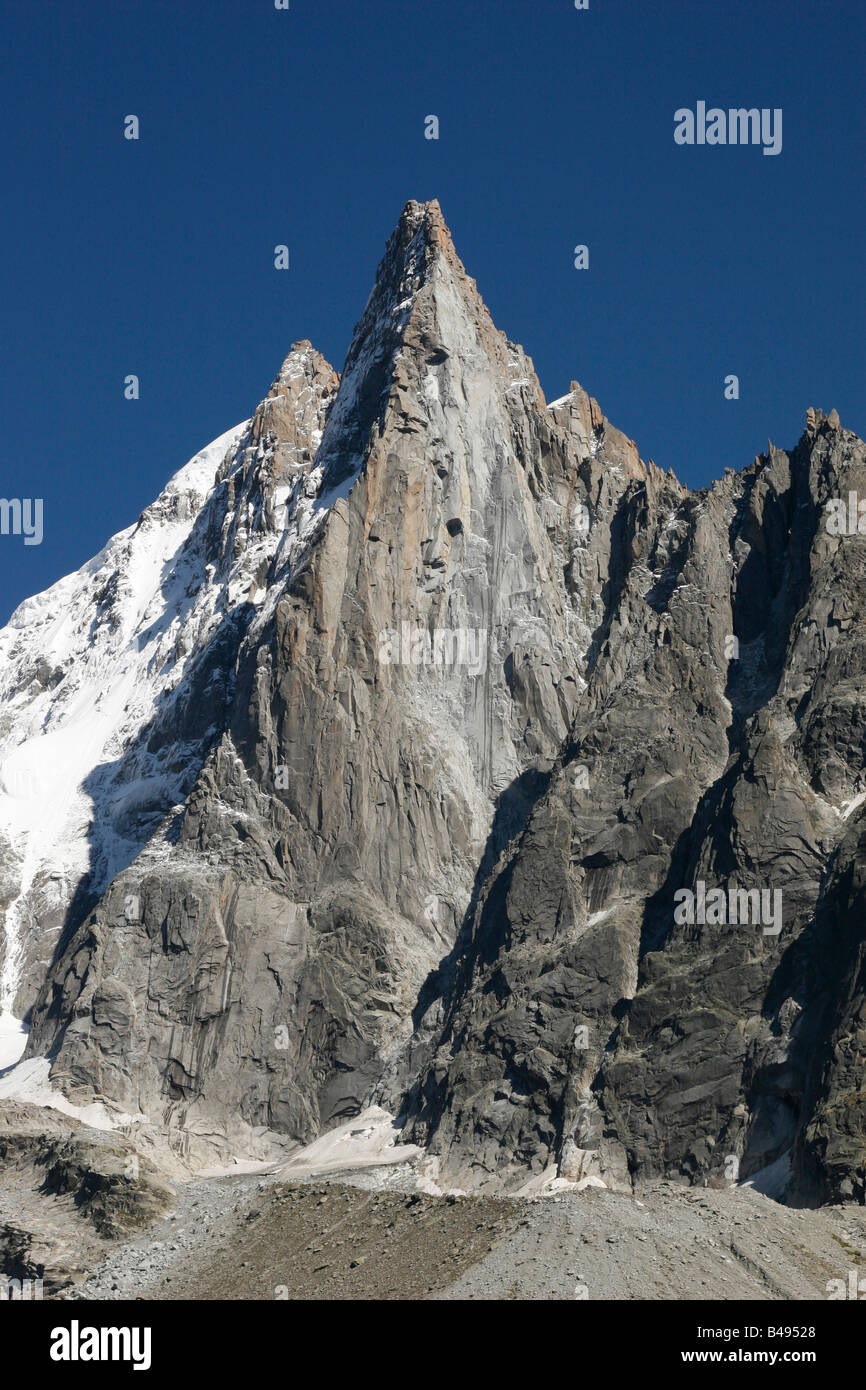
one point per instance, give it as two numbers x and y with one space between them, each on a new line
421 752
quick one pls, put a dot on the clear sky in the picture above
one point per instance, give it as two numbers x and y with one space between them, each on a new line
305 126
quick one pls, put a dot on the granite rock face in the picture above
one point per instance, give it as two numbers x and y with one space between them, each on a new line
719 741
480 695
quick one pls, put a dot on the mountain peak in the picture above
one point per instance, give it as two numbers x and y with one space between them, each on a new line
396 732
288 417
815 418
428 219
418 210
402 312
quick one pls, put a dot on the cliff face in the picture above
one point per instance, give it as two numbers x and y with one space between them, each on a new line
465 698
719 742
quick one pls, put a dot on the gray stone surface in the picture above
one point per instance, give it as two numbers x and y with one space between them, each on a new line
418 884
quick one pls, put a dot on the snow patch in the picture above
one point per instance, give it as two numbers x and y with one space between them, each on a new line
367 1141
82 666
29 1081
548 1184
849 807
772 1180
13 1040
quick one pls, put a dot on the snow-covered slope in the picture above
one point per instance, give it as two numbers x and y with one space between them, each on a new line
113 682
82 667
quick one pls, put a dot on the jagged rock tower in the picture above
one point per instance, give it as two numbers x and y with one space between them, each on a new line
417 717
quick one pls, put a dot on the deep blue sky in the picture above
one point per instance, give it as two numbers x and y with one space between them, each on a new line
261 126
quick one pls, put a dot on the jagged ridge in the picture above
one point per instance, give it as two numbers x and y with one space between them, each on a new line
417 883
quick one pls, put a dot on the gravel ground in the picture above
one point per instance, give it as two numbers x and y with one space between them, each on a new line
672 1243
244 1238
369 1234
